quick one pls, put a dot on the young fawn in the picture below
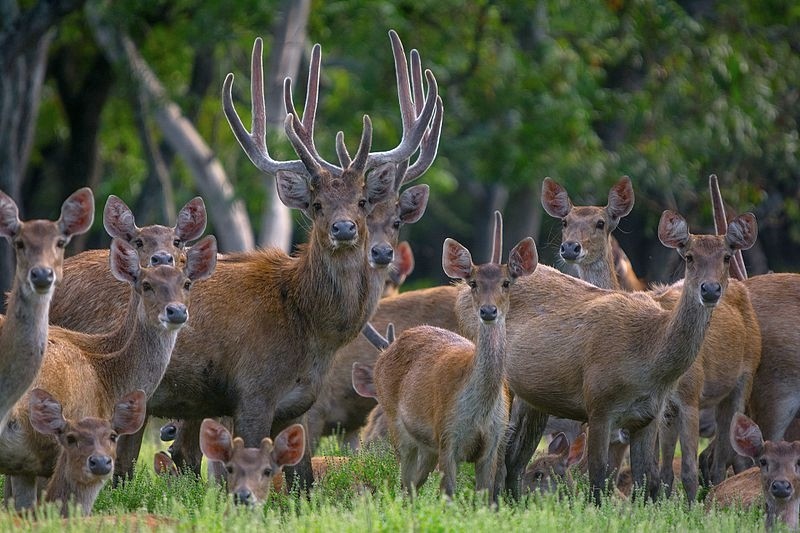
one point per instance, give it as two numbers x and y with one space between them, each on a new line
445 398
39 247
88 446
548 471
249 471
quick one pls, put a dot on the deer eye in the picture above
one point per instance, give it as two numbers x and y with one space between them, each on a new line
317 207
146 286
563 222
689 258
229 469
187 285
600 224
177 243
727 258
762 462
473 284
60 243
19 245
267 472
362 203
139 243
537 476
71 440
113 437
506 284
396 224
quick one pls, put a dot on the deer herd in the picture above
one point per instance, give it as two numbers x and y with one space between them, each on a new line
474 373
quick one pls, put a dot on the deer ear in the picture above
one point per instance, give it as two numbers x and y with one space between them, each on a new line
124 261
118 219
742 232
201 259
363 381
215 441
191 221
555 199
45 412
403 259
293 189
620 201
559 445
9 216
456 260
673 231
379 183
746 436
413 202
77 212
290 444
577 449
129 413
163 464
523 259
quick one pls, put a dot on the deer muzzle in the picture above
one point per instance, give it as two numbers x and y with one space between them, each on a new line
381 255
41 278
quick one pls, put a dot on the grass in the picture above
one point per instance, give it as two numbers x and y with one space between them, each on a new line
187 504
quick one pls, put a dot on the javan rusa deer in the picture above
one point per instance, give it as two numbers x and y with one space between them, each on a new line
552 469
39 248
444 397
776 476
561 359
91 299
719 378
88 446
262 356
249 471
88 382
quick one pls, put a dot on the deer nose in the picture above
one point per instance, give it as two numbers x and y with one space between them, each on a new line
710 292
781 488
243 497
162 258
100 465
168 432
344 230
42 277
382 254
488 313
570 250
177 313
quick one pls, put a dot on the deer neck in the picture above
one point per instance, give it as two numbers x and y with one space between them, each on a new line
601 273
683 334
787 514
62 489
485 383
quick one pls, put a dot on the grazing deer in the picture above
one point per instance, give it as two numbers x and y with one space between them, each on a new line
249 471
444 397
779 477
88 382
39 247
548 471
88 446
562 360
719 378
90 294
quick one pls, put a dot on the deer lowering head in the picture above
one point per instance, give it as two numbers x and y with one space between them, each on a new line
88 446
780 469
249 471
156 245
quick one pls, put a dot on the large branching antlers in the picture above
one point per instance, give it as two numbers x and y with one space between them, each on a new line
417 125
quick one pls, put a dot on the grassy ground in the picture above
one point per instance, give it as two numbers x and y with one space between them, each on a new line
186 504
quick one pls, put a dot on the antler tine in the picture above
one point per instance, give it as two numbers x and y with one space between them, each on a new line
416 81
374 338
429 146
407 111
341 150
362 155
255 144
390 333
310 163
737 267
497 242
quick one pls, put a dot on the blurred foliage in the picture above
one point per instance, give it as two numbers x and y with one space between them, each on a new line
666 92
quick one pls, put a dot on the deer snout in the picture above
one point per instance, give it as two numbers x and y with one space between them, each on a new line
780 488
381 254
168 432
100 465
488 313
177 314
243 497
710 292
162 258
344 230
41 278
570 250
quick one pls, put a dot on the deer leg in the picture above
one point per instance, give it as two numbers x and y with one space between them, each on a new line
185 449
127 452
668 438
597 452
690 434
525 429
302 472
449 467
723 450
23 489
644 466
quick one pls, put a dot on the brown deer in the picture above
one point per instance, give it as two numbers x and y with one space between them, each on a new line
90 294
273 345
402 267
250 471
88 382
776 473
445 398
719 378
39 247
551 470
562 360
88 446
